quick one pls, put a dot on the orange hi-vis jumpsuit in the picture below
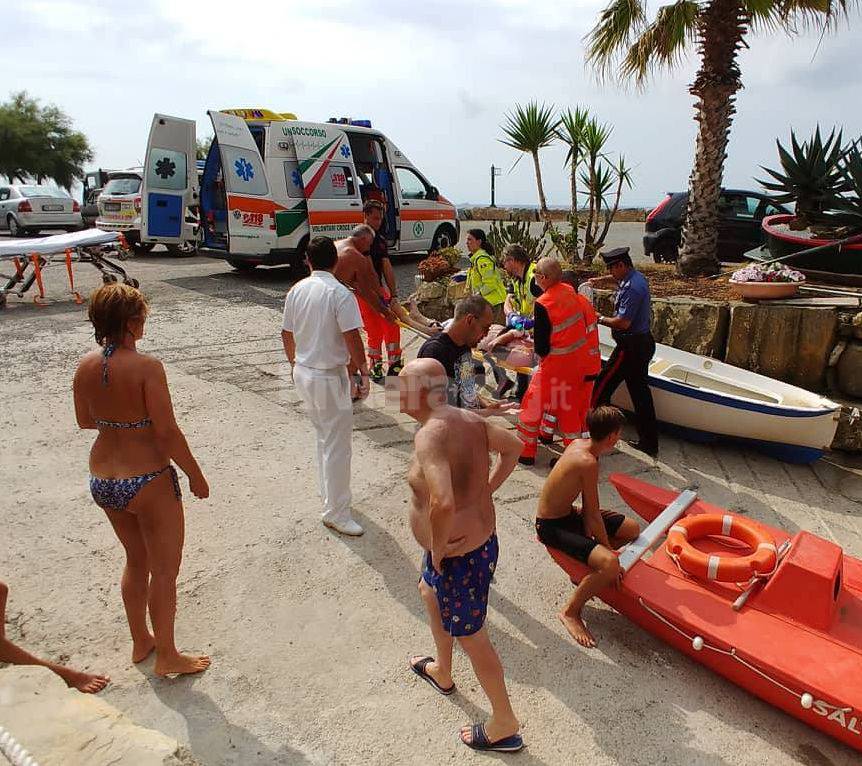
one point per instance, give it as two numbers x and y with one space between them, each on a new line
555 390
380 330
590 365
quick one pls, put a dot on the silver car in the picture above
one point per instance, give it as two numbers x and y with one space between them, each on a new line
27 209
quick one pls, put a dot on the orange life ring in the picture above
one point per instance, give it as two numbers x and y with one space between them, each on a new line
708 566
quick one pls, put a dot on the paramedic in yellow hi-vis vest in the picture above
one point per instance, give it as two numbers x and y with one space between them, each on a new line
483 277
520 299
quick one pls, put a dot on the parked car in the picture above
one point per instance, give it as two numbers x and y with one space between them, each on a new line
119 205
739 230
25 209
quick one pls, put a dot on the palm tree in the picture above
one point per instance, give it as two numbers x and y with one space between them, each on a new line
570 131
717 29
528 129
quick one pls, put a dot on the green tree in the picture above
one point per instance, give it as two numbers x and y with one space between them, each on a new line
570 130
39 142
717 30
203 147
528 129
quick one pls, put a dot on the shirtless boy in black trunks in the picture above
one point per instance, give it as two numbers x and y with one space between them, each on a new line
588 534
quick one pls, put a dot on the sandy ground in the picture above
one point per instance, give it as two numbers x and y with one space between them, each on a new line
310 632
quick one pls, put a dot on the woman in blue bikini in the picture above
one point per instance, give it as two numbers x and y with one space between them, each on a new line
124 396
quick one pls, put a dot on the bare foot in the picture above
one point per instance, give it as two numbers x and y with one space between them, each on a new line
142 649
181 664
88 683
432 669
577 630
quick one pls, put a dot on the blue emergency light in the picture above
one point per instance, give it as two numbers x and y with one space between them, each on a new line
349 121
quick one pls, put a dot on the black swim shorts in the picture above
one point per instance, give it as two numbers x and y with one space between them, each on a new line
568 534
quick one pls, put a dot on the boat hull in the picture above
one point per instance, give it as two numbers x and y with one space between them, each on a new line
778 660
846 259
795 434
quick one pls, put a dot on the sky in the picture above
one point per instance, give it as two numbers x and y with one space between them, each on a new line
436 76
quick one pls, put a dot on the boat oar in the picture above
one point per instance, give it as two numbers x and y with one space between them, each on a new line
854 240
743 597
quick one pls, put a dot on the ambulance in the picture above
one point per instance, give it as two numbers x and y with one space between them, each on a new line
271 182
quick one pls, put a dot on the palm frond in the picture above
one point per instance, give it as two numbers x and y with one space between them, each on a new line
530 128
662 43
797 15
618 24
570 129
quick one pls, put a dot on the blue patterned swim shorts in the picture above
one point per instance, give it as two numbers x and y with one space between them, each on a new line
462 587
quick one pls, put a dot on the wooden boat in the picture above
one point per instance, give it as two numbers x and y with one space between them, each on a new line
842 264
705 399
796 642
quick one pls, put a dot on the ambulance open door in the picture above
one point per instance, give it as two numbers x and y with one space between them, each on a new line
170 182
328 177
250 206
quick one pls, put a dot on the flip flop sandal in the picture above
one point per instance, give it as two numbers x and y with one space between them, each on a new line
419 669
479 741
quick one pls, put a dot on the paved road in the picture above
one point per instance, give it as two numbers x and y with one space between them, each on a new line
620 235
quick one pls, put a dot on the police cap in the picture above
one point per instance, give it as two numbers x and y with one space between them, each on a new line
617 255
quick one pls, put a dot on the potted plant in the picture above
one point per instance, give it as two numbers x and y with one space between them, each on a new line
824 179
767 281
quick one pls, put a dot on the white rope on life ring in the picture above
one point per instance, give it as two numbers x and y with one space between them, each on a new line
14 752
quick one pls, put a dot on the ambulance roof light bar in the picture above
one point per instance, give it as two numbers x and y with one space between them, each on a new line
349 121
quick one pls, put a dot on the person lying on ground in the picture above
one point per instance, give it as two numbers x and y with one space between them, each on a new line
88 683
453 348
587 534
124 395
453 520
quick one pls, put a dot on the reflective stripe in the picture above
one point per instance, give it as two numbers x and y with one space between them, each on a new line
567 323
575 435
568 349
523 429
712 568
768 546
726 524
679 530
549 418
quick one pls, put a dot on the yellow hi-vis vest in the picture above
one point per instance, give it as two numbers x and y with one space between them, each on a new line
523 298
483 277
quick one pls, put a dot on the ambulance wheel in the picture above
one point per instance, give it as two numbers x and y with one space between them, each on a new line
444 237
184 249
243 265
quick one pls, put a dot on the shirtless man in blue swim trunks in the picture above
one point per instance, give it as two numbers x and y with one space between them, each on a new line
453 519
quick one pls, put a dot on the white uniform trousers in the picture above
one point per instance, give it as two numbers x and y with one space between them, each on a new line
326 397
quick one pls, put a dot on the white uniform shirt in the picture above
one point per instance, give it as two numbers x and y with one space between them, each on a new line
317 310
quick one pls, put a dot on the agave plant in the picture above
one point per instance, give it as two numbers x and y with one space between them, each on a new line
811 177
528 129
848 205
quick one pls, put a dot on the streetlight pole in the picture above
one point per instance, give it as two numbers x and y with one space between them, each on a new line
494 173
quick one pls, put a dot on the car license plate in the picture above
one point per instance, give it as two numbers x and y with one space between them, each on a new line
113 206
52 208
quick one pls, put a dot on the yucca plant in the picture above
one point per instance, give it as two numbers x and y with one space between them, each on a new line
810 175
528 129
716 30
570 130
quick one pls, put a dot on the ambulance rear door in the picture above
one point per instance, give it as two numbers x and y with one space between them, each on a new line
328 177
250 206
170 181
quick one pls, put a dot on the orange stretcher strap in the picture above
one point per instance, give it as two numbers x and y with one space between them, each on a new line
78 299
35 258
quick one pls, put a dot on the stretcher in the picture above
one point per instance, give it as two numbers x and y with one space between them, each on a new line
30 257
498 355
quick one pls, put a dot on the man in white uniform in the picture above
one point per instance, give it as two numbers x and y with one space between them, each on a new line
320 336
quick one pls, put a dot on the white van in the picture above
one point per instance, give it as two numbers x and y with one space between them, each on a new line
270 182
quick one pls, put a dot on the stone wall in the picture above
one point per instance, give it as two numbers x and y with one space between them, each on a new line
815 347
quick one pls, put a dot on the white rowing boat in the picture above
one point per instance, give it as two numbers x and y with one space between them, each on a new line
706 399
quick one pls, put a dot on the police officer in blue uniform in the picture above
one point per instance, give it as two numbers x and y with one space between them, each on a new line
629 362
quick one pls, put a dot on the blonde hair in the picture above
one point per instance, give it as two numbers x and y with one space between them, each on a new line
111 308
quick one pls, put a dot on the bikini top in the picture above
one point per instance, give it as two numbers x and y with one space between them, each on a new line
107 352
